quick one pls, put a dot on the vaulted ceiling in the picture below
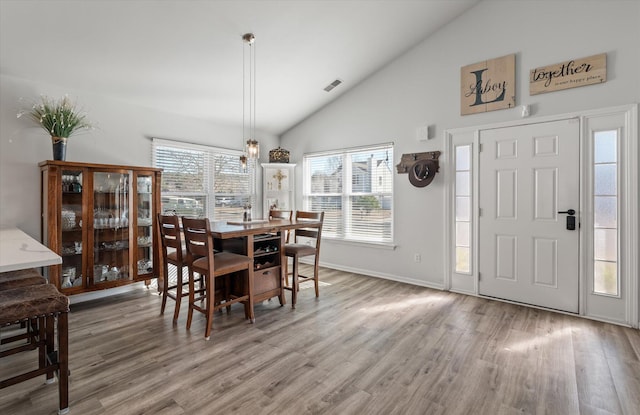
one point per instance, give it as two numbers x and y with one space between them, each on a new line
186 57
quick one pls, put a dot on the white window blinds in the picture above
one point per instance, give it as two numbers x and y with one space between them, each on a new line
203 181
355 190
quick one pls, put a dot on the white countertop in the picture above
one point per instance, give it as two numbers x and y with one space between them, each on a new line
20 251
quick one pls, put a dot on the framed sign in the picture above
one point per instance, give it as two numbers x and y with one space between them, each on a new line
488 85
569 74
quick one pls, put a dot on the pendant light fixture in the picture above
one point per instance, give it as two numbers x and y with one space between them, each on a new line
251 146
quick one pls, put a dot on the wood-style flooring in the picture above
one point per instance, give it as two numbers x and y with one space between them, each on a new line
366 346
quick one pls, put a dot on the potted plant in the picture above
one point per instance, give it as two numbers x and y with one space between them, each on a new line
61 119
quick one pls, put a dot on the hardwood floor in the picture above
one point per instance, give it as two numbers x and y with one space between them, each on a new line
366 346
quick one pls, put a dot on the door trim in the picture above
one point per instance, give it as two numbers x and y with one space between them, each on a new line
468 284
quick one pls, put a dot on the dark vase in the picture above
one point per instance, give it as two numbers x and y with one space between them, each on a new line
59 148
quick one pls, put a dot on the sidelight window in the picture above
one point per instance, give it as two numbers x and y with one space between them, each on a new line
463 209
605 206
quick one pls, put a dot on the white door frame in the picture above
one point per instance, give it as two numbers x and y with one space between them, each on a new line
629 216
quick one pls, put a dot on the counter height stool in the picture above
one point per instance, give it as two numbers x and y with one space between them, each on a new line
297 249
20 278
175 254
17 279
202 260
283 214
42 303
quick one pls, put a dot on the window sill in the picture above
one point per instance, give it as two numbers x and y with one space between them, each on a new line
379 245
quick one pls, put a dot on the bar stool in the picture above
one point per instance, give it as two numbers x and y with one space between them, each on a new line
283 214
297 249
175 254
20 278
45 304
202 260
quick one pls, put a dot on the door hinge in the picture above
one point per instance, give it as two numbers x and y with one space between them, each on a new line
480 148
479 276
479 211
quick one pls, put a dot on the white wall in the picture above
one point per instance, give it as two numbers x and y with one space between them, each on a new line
423 87
121 137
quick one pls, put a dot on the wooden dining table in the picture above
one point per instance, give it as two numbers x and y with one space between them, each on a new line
244 237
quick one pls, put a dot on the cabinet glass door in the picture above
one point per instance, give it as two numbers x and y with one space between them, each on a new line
71 226
111 227
144 224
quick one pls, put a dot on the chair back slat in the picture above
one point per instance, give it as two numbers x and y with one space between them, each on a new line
311 232
197 235
282 214
170 230
307 233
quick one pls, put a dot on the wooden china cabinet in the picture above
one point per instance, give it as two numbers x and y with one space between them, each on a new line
101 219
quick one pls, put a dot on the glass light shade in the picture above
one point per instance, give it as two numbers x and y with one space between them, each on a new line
253 149
243 162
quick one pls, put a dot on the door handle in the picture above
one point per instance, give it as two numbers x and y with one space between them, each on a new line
571 219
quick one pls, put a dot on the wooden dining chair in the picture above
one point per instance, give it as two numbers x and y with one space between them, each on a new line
202 260
283 214
299 249
174 253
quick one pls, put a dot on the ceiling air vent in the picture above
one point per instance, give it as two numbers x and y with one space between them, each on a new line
332 85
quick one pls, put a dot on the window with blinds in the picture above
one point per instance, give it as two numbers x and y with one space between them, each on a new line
202 181
355 190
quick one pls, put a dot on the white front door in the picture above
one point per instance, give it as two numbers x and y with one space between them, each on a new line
529 174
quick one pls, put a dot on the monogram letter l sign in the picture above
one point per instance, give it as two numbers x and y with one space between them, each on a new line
488 85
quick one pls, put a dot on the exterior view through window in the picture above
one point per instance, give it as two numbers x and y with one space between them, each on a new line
201 181
355 190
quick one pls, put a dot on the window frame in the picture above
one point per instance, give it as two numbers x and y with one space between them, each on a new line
345 227
209 192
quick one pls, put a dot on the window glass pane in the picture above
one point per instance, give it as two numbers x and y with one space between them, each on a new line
605 146
605 278
195 206
463 157
463 184
371 171
463 264
326 174
462 234
332 208
369 219
605 179
605 244
605 214
463 208
184 170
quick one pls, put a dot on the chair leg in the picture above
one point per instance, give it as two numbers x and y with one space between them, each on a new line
63 362
316 269
192 298
210 293
165 286
176 312
226 291
294 283
250 280
45 344
286 271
